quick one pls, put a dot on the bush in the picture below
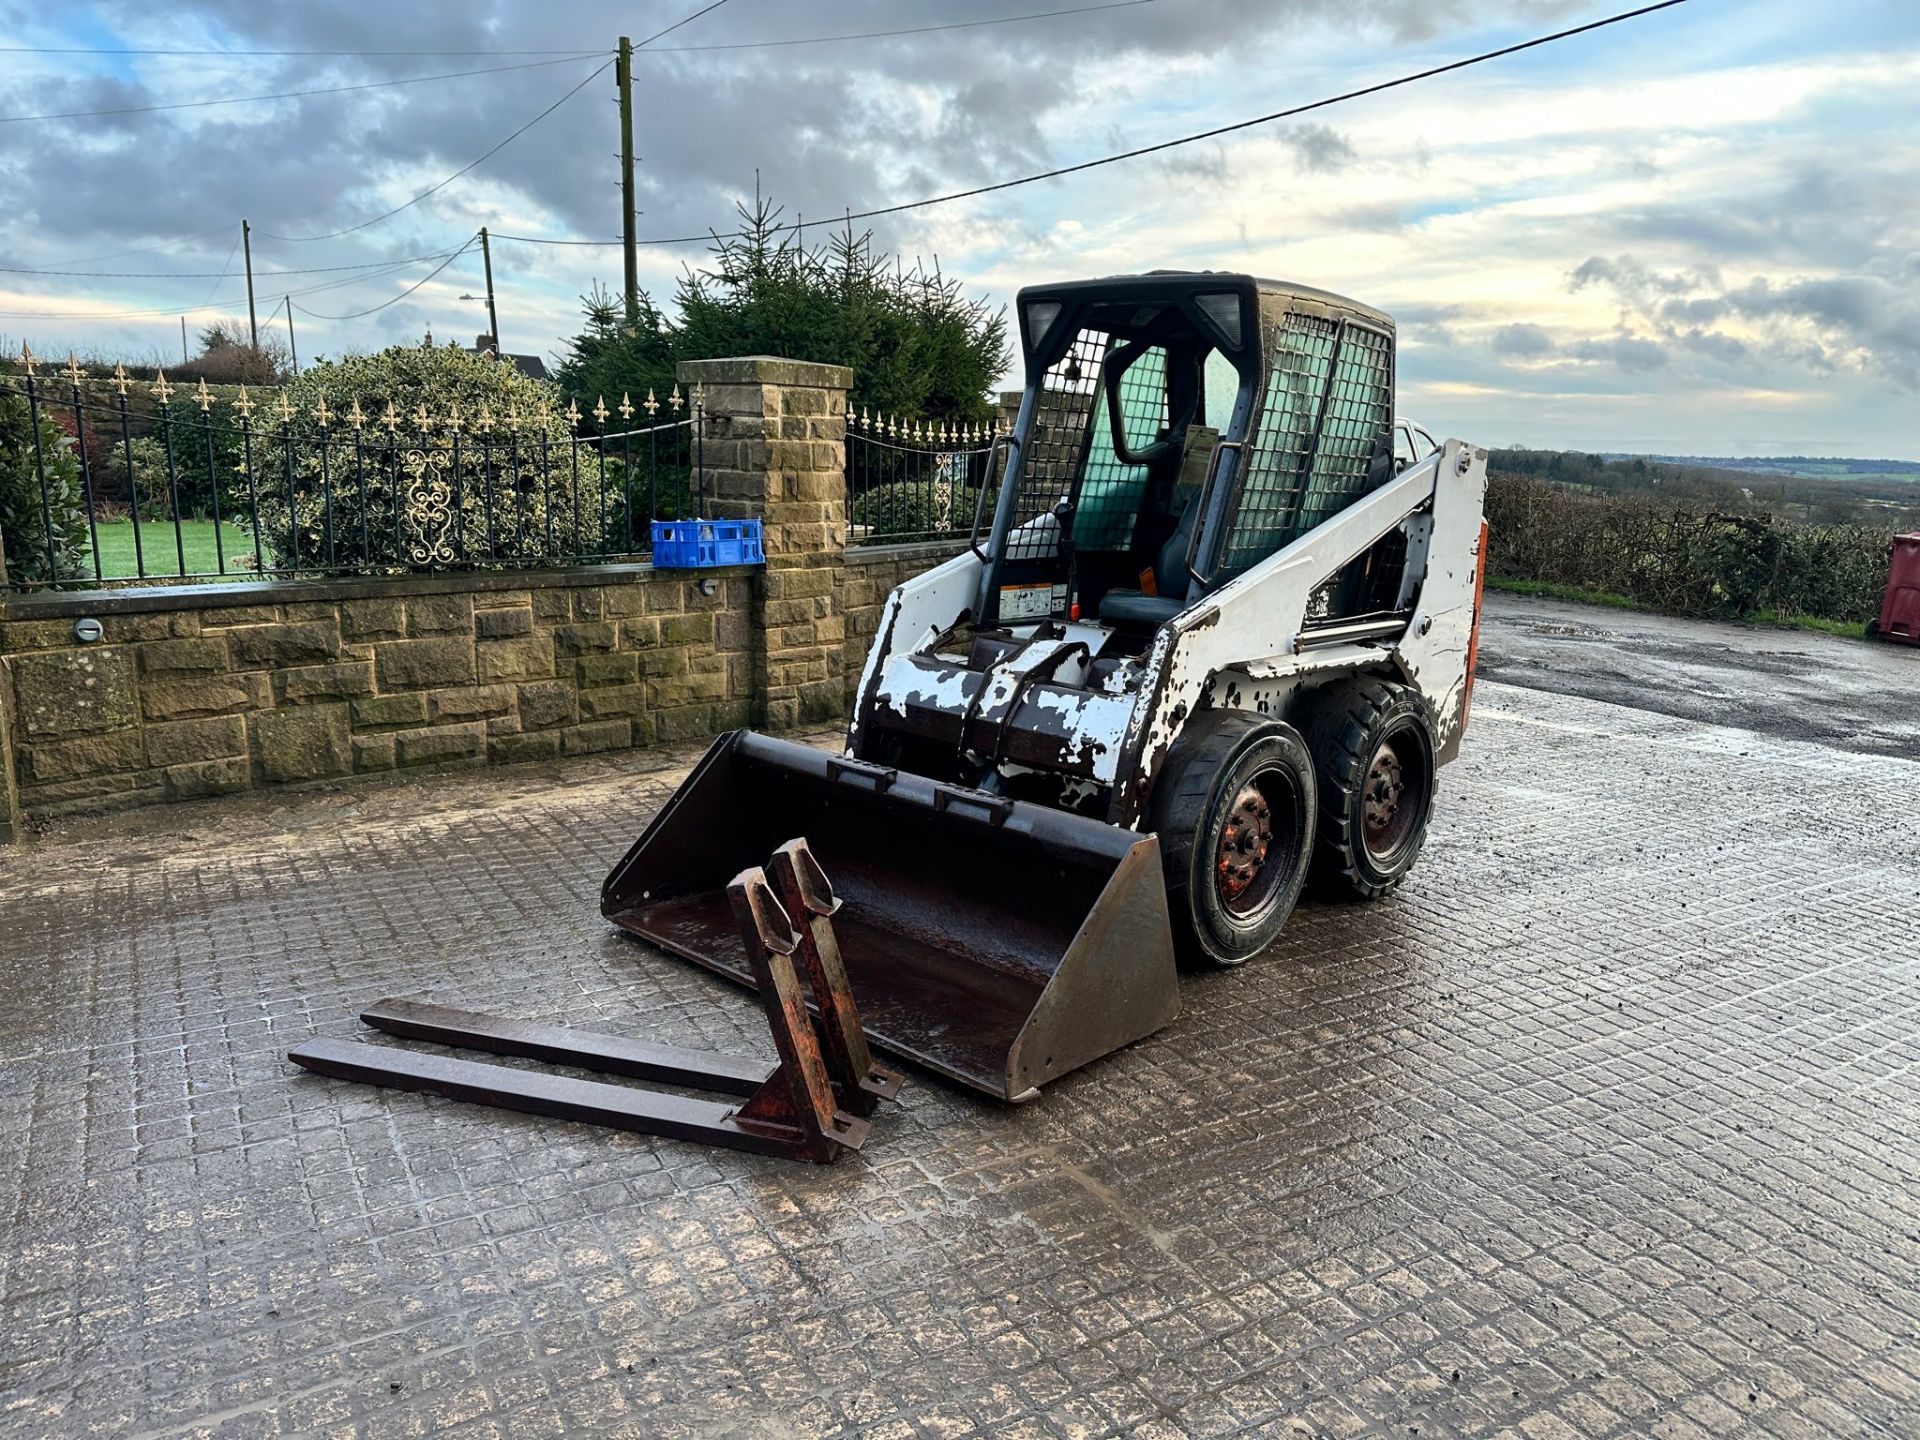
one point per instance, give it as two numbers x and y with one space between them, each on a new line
432 500
913 510
1683 561
23 520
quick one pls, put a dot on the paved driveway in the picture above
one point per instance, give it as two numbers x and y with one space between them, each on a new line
1603 1125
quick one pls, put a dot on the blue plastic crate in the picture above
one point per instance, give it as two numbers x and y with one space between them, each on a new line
691 544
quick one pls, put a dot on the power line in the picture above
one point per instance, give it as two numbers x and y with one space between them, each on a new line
226 267
145 249
387 214
885 34
1134 154
436 188
688 20
288 94
356 314
210 303
214 274
313 54
583 54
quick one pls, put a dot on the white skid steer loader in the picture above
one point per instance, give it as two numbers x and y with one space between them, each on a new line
1208 644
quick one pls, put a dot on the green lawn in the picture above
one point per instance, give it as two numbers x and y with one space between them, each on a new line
162 555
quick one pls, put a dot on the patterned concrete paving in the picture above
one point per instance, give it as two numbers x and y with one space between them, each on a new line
1604 1126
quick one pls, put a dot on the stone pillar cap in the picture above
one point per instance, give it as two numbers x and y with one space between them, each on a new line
764 370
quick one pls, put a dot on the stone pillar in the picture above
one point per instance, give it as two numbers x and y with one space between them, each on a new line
775 450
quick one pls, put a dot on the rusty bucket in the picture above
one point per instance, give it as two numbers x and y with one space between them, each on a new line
993 941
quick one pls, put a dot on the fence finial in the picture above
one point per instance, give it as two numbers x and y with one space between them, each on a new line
321 413
244 405
699 395
652 405
674 398
120 379
203 397
422 421
391 419
356 417
486 419
513 419
626 407
26 359
600 411
160 389
283 407
573 415
73 371
453 417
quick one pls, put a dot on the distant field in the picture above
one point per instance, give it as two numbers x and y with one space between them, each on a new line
118 561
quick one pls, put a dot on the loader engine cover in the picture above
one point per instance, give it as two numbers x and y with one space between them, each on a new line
995 941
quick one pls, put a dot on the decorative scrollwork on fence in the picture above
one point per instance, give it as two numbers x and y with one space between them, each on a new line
429 508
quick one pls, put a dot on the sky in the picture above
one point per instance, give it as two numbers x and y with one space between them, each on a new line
1694 233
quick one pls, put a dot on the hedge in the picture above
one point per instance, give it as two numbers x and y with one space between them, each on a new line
1684 561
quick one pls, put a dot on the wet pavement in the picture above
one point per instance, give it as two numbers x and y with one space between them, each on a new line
1602 1126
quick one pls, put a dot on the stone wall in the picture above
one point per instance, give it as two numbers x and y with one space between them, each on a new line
871 574
188 695
202 690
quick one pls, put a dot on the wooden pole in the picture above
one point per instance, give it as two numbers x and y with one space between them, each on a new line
253 321
623 71
493 315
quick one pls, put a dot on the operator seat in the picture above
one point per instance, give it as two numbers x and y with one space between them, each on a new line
1136 608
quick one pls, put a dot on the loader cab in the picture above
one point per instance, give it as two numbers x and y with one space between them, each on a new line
1176 428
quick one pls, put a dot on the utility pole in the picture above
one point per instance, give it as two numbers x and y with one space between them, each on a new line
246 243
493 316
292 349
623 72
183 340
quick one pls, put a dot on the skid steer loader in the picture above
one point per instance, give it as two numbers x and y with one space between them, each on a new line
1208 641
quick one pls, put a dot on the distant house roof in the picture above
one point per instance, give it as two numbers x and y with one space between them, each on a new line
531 366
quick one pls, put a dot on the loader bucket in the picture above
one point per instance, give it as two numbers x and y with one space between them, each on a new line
994 941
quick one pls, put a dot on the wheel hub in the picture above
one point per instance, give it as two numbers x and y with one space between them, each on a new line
1244 843
1386 783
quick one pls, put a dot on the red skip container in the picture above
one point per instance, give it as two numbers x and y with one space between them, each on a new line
1899 618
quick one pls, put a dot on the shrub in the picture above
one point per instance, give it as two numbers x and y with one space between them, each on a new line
1680 560
23 521
431 499
915 510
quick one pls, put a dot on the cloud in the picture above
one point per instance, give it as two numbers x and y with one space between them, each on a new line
1867 320
1523 341
1320 147
1625 352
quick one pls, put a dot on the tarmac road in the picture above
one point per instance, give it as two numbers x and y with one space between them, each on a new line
1791 684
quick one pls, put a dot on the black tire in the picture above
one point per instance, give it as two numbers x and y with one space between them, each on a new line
1372 744
1228 894
1873 628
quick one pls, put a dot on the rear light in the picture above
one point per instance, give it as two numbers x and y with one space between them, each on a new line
1473 636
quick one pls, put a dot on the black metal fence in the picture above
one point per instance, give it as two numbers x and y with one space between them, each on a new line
913 479
120 482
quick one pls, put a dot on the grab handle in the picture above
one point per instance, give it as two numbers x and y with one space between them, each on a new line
857 773
994 809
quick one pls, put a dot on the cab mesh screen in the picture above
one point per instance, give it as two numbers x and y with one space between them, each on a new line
1054 445
1111 491
1326 379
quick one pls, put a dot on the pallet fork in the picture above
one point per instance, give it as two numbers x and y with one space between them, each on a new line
812 1104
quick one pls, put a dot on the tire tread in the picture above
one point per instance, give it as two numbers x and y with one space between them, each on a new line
1348 714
